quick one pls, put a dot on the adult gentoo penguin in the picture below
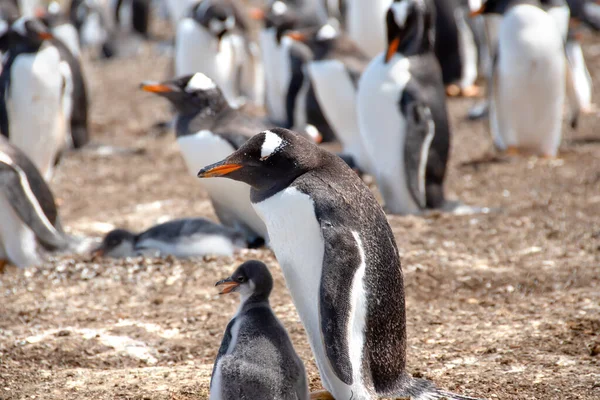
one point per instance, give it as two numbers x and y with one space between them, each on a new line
334 70
256 359
214 39
27 210
208 129
529 79
35 88
365 22
402 112
187 237
340 262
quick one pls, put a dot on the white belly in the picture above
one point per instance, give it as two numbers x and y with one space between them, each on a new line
196 50
37 124
337 97
18 243
382 128
193 246
204 148
366 24
276 61
561 16
297 241
528 104
468 49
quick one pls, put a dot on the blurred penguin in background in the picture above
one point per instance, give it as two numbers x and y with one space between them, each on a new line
61 27
27 210
530 80
37 93
214 39
95 25
365 23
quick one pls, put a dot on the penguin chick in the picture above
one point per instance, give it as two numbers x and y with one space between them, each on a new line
191 237
256 359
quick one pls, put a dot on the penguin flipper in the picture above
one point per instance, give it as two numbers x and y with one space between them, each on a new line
573 98
223 349
15 185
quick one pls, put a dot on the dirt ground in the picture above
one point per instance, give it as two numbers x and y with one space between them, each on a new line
502 305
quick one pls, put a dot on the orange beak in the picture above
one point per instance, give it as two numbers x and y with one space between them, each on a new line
298 36
155 88
478 12
228 285
216 171
256 14
45 35
392 48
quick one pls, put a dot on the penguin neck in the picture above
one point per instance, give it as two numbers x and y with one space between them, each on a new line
253 301
414 45
194 117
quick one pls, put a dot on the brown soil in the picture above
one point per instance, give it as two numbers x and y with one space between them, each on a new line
504 305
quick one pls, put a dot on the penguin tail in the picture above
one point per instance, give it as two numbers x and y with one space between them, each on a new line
421 389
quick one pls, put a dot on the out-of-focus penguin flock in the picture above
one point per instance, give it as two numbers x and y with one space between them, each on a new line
257 92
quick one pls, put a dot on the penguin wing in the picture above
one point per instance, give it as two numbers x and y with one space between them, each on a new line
573 98
420 131
223 349
17 189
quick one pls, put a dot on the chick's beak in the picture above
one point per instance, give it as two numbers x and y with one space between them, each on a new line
155 87
221 168
228 285
99 252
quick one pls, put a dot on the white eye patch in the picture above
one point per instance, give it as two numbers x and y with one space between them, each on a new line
400 11
200 82
230 22
327 32
270 145
216 26
279 7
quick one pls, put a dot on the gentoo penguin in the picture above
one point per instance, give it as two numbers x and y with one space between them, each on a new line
256 359
95 25
36 94
559 11
339 259
208 129
27 210
402 112
336 66
61 27
132 16
188 237
365 22
214 39
529 79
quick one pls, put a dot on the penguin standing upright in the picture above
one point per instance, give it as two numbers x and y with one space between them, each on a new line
27 210
365 22
340 261
214 40
402 112
529 81
208 129
36 89
256 359
334 72
61 27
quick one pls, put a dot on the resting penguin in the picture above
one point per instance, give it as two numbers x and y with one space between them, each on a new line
36 94
334 71
402 112
256 359
529 80
188 237
27 210
214 39
207 130
340 261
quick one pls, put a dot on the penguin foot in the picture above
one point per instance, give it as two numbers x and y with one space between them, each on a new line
321 395
453 90
471 91
512 151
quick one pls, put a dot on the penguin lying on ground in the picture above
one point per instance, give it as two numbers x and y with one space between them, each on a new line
256 359
190 237
402 112
530 81
334 70
340 261
28 212
36 89
214 39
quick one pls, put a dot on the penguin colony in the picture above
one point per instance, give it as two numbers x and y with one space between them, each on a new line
372 75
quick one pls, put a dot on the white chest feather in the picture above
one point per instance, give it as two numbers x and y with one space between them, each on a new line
197 50
205 148
37 124
366 24
277 62
383 128
528 103
337 96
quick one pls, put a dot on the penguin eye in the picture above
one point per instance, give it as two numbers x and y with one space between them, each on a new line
241 279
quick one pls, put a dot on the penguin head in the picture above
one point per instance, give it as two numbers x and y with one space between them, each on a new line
117 243
268 161
410 27
252 279
319 40
28 33
189 94
217 18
